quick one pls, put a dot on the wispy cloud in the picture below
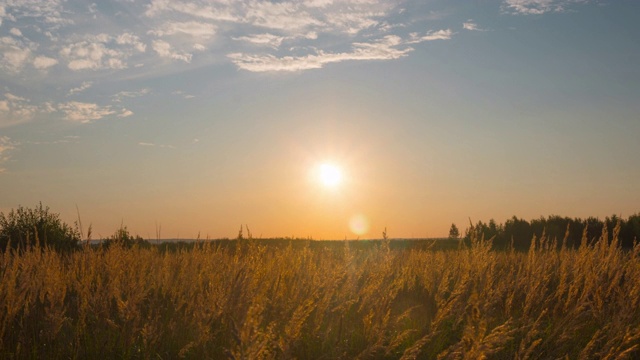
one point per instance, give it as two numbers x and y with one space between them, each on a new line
129 94
87 112
102 51
537 7
44 62
15 109
196 29
165 50
387 48
148 144
6 145
266 39
183 94
15 54
84 86
471 26
445 34
70 43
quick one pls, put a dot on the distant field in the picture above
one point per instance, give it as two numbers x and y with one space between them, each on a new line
283 299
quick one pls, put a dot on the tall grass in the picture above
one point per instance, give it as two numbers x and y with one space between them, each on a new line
261 302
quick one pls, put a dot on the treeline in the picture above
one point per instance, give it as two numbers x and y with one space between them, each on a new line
569 231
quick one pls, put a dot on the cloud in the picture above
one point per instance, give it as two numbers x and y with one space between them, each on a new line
431 36
129 94
267 39
537 7
165 50
44 62
15 54
125 113
220 11
103 51
388 48
132 40
471 26
84 112
148 144
183 94
281 16
77 38
15 109
273 41
47 12
6 145
84 86
192 28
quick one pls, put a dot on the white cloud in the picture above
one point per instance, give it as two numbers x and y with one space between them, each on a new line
6 145
267 39
282 16
183 94
15 109
537 7
130 94
44 62
431 36
219 11
47 12
15 54
84 86
192 28
15 32
282 35
273 41
125 113
471 26
148 144
164 49
84 112
386 48
131 39
102 51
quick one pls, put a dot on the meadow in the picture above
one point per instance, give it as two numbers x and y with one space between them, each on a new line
334 301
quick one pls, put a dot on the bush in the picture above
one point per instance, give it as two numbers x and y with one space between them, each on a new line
24 227
123 238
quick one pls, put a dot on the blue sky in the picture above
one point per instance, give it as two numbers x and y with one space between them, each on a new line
198 116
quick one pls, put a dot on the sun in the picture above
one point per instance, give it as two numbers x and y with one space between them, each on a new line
329 175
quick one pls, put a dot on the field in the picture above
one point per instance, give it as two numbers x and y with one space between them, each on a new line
335 301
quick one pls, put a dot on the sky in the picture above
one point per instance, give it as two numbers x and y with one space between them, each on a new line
181 119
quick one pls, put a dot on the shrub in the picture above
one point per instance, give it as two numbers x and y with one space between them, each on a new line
123 238
24 227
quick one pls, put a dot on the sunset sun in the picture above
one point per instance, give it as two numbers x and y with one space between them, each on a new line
329 175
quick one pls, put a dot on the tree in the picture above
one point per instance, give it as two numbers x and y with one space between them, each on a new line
454 233
24 227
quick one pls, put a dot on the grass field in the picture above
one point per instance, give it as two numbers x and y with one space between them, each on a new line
336 301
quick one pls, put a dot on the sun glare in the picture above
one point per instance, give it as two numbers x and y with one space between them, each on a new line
329 175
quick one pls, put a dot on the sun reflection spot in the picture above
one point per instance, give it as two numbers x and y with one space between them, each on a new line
359 224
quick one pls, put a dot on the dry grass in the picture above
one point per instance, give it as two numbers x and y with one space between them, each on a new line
334 303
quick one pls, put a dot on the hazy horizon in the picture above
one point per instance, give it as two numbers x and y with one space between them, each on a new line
318 118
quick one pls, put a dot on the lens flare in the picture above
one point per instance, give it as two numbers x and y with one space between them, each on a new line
359 224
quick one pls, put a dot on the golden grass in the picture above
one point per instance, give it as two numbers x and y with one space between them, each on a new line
261 302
